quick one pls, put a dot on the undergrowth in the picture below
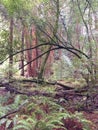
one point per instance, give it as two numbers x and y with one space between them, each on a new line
38 113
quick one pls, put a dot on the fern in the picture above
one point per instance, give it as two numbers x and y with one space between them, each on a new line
23 124
19 127
47 121
3 110
79 116
3 121
17 100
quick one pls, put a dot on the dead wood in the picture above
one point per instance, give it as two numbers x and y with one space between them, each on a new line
66 87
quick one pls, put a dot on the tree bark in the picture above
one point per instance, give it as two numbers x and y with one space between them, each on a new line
22 53
34 53
28 52
11 49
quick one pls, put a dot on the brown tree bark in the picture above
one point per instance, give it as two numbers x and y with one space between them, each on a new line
22 54
28 52
34 53
10 49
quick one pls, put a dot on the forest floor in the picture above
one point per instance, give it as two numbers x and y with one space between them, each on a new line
71 98
78 102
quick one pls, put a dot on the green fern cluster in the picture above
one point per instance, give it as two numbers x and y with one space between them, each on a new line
8 108
36 118
37 113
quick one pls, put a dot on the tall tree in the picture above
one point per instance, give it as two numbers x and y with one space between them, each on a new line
11 49
34 53
22 53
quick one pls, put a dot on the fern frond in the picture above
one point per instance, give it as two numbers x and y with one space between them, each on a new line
25 124
21 127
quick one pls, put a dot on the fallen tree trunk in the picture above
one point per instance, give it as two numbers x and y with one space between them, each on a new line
66 87
61 93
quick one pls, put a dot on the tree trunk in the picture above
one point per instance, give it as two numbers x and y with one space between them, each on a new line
28 52
11 49
40 75
22 54
34 53
48 71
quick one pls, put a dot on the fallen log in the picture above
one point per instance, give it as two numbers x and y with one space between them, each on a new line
12 89
65 91
61 93
66 87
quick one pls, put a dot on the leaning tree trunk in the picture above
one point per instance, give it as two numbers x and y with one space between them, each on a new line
48 70
11 49
40 75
